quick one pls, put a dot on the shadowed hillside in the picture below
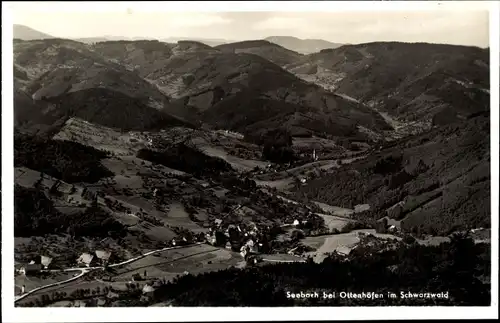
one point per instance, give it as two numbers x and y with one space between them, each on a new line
37 57
67 80
411 81
26 33
232 91
112 109
268 50
142 56
250 170
434 183
57 79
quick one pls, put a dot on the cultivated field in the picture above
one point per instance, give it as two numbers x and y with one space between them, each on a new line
342 243
31 282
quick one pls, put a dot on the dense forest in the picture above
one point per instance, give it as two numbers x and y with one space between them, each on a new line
66 160
440 179
35 215
459 267
187 159
276 143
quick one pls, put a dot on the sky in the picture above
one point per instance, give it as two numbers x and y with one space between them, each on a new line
465 25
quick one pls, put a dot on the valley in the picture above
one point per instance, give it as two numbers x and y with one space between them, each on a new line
144 167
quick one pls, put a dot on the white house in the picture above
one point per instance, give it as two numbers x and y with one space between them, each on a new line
45 261
243 251
392 228
252 246
103 255
147 289
85 259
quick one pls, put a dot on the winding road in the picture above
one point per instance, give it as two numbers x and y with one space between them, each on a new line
84 271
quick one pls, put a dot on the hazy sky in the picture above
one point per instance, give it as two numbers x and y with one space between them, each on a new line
463 27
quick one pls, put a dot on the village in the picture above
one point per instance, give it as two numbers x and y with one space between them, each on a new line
238 215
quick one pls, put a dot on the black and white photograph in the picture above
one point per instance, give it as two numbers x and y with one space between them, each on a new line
248 156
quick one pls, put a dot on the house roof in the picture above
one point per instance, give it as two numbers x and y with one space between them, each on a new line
148 289
101 254
45 260
86 258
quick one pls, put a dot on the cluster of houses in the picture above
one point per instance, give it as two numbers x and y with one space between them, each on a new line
136 137
245 240
99 258
41 263
314 155
74 195
229 133
386 225
36 265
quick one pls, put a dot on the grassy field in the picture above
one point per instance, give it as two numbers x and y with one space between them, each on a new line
31 282
276 258
27 177
335 210
70 287
178 217
100 137
334 222
171 263
342 243
236 162
280 184
165 265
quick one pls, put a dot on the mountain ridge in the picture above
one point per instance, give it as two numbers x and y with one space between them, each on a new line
27 33
303 46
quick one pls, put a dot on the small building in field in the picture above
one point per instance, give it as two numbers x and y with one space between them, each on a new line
243 251
103 256
148 289
44 261
87 259
204 185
